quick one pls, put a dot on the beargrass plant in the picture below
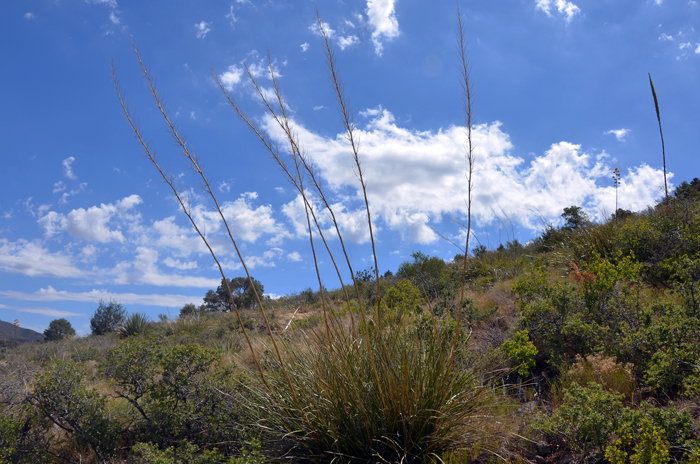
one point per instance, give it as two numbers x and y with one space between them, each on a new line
135 324
369 392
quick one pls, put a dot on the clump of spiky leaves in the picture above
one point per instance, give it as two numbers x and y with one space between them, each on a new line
428 406
135 324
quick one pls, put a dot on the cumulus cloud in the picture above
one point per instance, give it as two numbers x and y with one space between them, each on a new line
382 19
89 224
414 177
114 18
564 7
34 259
59 187
94 296
620 134
143 270
349 41
294 256
259 68
203 29
304 46
67 167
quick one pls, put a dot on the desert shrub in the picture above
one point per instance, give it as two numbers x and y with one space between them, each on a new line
403 299
521 352
591 315
188 453
668 341
645 445
61 396
603 370
586 419
180 392
23 438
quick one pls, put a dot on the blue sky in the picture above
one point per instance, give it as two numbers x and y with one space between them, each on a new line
561 98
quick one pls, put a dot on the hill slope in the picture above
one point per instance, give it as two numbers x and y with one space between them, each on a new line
9 333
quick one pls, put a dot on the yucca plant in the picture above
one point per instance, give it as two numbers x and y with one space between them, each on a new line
364 393
135 324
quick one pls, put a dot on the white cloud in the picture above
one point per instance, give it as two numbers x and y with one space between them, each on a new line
142 270
294 256
89 224
349 41
94 296
176 264
192 115
319 107
67 167
231 16
59 187
259 68
232 76
382 19
666 37
109 3
304 46
33 259
349 23
113 17
203 29
620 134
29 15
414 177
64 198
330 32
564 7
697 50
8 214
45 311
224 187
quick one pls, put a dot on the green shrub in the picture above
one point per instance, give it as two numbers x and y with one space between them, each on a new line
403 299
61 396
521 351
586 419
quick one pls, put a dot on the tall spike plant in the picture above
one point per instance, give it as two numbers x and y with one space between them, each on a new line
663 148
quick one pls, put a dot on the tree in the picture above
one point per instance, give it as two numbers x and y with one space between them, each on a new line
58 330
107 317
242 291
575 217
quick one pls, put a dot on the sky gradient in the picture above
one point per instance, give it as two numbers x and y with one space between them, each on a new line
562 97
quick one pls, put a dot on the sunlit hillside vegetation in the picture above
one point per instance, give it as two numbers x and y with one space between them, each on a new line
580 346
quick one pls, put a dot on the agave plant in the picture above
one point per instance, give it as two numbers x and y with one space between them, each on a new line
135 324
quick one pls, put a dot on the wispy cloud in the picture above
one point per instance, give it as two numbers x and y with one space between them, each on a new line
620 134
382 19
304 46
29 15
44 311
231 16
563 7
109 3
33 259
203 29
94 296
68 167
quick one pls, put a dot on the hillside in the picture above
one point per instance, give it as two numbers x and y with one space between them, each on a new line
8 332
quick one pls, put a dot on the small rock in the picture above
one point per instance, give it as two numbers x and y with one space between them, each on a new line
540 460
543 448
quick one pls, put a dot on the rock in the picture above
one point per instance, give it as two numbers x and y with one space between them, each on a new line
543 448
540 460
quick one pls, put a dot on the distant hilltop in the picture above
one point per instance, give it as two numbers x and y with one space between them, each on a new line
8 333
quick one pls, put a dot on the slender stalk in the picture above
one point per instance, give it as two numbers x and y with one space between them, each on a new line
467 96
349 126
151 155
663 148
347 119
